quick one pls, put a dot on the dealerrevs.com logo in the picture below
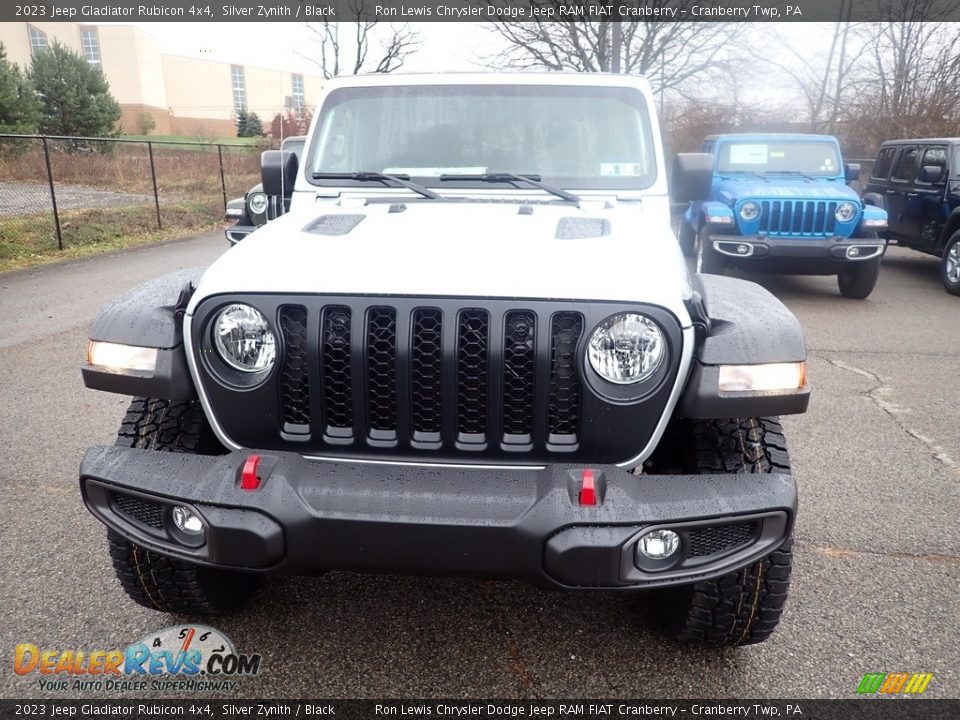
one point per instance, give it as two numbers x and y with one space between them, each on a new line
898 683
184 657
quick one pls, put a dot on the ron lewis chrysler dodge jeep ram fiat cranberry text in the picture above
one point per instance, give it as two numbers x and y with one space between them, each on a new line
472 346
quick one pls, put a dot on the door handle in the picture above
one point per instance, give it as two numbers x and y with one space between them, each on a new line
891 192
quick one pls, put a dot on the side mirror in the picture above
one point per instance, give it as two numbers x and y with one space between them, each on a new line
851 172
692 177
930 174
278 171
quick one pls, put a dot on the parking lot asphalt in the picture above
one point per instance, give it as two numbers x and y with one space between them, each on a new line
877 563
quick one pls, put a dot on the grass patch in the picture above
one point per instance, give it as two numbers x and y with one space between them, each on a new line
29 240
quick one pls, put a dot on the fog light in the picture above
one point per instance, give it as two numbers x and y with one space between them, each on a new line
853 252
743 249
187 521
658 544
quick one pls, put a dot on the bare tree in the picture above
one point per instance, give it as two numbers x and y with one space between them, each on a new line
911 82
824 80
343 54
674 56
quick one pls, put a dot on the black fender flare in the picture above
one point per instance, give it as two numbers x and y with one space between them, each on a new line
148 315
746 325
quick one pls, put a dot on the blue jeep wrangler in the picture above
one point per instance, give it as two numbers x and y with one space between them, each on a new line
780 203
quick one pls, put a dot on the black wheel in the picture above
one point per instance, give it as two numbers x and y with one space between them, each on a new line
857 280
950 269
708 260
154 580
687 238
742 607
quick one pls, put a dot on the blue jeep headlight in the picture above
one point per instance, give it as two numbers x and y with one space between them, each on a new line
750 210
846 211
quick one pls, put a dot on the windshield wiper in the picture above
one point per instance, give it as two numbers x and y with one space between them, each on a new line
796 172
363 176
501 177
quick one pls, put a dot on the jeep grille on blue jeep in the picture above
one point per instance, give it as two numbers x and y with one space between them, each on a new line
468 381
798 218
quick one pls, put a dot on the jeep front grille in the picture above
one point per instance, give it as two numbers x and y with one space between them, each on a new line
436 379
797 218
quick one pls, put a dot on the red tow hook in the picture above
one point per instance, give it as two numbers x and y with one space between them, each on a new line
588 488
249 479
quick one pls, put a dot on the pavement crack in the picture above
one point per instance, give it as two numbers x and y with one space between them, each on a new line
880 394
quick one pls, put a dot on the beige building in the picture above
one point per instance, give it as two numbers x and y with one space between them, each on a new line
185 96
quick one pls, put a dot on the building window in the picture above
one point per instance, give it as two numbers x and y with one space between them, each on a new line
38 40
299 101
91 45
239 88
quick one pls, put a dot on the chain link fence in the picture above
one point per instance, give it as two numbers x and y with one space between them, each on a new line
64 192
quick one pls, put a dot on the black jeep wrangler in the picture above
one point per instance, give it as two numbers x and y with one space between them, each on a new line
918 183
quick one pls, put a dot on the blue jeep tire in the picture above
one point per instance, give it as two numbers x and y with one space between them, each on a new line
687 238
950 268
707 260
858 279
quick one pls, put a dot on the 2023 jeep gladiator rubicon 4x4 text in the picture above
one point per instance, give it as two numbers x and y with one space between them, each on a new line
781 203
472 346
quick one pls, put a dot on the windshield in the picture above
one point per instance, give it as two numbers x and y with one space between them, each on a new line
810 157
570 136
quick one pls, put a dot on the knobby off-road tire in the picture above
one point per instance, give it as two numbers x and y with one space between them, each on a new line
707 260
858 279
157 581
687 238
743 607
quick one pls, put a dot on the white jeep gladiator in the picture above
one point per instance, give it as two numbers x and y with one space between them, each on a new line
472 346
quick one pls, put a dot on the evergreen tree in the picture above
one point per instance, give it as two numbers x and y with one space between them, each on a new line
19 107
249 124
74 95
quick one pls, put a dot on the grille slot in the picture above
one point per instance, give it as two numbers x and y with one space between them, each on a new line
720 538
337 377
145 512
294 380
564 406
425 380
473 328
785 218
382 373
519 368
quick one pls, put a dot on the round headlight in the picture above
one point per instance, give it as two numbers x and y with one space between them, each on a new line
749 210
846 211
257 203
626 348
244 339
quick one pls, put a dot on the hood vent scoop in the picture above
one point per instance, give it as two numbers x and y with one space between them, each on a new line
333 224
576 228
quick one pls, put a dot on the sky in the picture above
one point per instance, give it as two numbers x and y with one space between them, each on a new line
453 46
286 46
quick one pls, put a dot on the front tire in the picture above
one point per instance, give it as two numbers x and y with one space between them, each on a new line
708 260
950 268
687 238
858 279
154 580
742 607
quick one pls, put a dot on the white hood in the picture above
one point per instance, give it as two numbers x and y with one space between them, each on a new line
464 249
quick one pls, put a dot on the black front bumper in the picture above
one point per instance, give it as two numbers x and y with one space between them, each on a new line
495 522
815 255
